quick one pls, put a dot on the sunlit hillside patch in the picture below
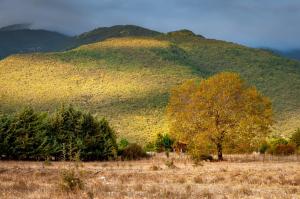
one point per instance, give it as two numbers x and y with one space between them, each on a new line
128 43
132 97
287 123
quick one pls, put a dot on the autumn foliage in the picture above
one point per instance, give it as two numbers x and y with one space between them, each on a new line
219 111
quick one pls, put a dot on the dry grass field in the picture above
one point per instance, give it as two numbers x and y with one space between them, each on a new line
239 177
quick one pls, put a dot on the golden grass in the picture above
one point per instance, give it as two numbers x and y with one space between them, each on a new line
127 43
136 179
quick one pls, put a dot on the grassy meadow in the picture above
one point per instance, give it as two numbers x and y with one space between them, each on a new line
245 177
128 80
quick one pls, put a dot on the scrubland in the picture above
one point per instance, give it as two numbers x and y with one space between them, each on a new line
243 176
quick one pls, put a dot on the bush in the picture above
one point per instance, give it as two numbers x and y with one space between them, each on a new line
123 144
170 164
264 147
295 138
201 157
150 147
163 143
285 149
206 157
274 142
278 140
279 146
133 152
70 181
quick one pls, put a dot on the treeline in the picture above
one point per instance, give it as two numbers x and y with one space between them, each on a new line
71 134
66 134
282 146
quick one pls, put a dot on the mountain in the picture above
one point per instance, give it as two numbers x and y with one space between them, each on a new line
15 27
20 39
103 33
128 79
292 54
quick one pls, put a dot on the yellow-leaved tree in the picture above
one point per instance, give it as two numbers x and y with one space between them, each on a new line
220 110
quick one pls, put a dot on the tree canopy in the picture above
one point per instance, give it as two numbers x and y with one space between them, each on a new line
66 134
219 110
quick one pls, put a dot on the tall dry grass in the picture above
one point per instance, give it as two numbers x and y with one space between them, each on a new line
138 179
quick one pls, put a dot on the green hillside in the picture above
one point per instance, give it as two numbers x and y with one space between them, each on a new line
128 79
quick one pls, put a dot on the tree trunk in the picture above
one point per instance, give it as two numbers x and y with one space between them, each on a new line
220 152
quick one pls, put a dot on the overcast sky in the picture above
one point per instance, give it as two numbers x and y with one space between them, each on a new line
257 23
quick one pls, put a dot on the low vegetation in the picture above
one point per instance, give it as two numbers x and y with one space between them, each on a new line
281 145
70 181
132 152
139 179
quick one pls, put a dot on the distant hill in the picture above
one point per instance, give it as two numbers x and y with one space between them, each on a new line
128 79
20 39
293 54
16 27
103 33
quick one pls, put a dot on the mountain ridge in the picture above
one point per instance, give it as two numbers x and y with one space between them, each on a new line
19 38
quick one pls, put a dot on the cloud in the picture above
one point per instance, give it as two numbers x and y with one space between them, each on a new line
258 23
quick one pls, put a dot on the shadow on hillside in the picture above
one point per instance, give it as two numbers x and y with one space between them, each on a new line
111 106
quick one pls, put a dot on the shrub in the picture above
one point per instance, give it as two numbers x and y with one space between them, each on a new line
200 149
278 140
197 158
206 157
295 138
70 181
133 152
163 142
170 164
150 147
285 149
264 147
155 168
123 144
274 142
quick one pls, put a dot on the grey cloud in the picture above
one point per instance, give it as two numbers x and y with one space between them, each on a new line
267 23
